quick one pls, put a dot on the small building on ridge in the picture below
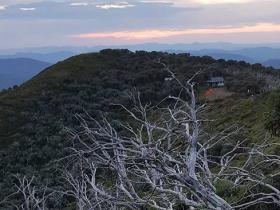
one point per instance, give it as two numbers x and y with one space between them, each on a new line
216 82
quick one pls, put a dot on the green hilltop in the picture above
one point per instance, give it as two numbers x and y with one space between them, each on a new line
34 115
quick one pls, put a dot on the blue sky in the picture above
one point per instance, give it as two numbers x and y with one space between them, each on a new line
35 23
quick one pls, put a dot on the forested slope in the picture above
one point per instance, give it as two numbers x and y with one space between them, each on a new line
34 115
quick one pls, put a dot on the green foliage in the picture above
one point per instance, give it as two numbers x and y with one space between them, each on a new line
34 115
229 192
272 117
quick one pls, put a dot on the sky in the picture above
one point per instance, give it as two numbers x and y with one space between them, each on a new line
38 23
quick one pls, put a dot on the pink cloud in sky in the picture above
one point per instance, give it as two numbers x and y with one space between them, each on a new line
149 34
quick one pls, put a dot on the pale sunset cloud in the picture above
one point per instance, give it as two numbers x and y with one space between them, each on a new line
2 7
83 22
121 5
156 1
156 33
223 1
74 4
211 2
27 8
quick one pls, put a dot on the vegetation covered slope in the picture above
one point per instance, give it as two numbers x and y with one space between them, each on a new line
32 116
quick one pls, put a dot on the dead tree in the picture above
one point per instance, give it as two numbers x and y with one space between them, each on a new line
163 159
31 197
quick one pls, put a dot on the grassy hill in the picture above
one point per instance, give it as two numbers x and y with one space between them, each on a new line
32 116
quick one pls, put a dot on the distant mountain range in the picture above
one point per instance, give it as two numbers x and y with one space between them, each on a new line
266 54
222 54
52 57
16 71
273 62
269 57
19 65
145 46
